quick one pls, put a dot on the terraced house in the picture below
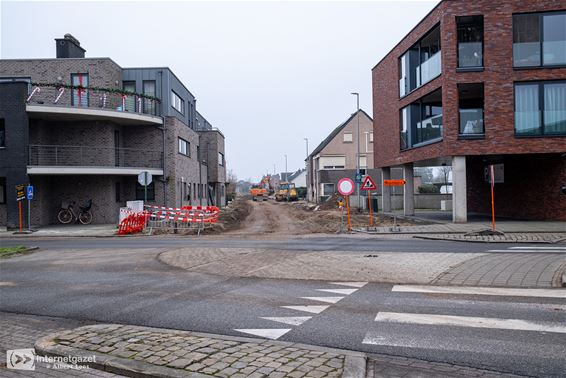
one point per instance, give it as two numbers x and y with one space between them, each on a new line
81 128
474 84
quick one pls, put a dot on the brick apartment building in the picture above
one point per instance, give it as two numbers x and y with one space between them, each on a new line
335 157
477 83
81 128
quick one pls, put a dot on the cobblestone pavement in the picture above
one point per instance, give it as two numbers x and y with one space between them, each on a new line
400 367
507 269
314 265
21 332
505 238
193 352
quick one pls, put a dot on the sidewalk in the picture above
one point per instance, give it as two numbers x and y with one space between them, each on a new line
153 352
71 230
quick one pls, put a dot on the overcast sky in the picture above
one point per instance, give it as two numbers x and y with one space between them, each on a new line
268 74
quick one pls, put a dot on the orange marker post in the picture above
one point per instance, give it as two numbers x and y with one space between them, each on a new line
20 208
348 208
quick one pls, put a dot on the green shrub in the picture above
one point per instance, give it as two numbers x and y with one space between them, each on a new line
428 189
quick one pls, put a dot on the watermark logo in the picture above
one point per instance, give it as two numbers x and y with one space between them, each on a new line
20 359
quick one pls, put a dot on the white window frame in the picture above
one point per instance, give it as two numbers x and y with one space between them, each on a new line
371 137
323 191
221 159
348 140
177 103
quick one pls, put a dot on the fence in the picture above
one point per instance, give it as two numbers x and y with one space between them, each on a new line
185 218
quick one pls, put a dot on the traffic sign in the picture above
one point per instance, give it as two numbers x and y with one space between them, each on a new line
368 184
20 192
145 178
29 192
346 186
394 182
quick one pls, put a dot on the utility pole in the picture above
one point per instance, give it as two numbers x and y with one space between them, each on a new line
307 141
285 167
358 155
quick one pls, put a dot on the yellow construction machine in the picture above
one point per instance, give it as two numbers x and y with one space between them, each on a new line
286 192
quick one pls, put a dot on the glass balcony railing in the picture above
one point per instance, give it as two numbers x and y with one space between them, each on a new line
63 95
429 69
471 122
470 54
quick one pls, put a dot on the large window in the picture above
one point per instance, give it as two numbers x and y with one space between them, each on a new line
327 189
221 159
470 41
332 162
421 121
540 108
470 100
129 100
539 39
421 63
79 96
149 90
177 102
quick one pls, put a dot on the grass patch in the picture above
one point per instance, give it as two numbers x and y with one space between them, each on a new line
6 252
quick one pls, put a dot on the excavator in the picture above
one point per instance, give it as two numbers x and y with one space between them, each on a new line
259 191
286 192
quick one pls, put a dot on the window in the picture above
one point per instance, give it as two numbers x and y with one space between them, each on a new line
2 190
371 137
79 96
130 100
117 192
470 98
470 41
332 162
2 133
421 121
363 162
539 39
348 138
221 159
421 63
327 189
149 90
540 108
177 102
140 192
184 147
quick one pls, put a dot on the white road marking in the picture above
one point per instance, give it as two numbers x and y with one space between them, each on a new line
541 293
311 309
272 334
324 299
526 251
352 284
292 320
338 291
470 321
559 248
7 283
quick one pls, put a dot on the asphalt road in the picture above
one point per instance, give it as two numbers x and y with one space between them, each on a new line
331 243
125 283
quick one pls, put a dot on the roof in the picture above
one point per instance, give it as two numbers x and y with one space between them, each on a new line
296 174
335 132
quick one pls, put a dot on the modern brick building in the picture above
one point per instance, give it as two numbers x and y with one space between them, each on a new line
81 128
477 83
335 157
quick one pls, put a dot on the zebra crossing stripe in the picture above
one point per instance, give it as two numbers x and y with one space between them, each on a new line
308 308
470 321
338 291
291 320
352 284
324 299
470 290
268 333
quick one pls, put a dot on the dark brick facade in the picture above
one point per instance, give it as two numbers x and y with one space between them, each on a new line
497 77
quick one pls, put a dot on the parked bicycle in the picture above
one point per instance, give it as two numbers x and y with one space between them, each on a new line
67 214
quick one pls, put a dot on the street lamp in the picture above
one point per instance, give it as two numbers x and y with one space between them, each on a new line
307 141
358 155
285 167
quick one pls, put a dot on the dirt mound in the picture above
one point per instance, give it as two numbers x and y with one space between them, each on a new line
331 203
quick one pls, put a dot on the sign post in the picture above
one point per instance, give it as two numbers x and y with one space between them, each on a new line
145 178
492 179
394 183
29 196
20 196
346 188
369 185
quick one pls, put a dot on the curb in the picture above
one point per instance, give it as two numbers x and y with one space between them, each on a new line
432 237
354 363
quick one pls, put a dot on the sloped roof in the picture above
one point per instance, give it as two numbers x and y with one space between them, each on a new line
296 174
335 132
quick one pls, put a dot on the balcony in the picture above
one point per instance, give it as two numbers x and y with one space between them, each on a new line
57 160
67 103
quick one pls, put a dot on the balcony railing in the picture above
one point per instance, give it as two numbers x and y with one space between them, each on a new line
89 156
93 98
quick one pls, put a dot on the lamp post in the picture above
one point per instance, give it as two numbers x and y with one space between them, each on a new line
358 154
307 141
285 167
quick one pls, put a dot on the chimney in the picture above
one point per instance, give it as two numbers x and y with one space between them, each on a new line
69 47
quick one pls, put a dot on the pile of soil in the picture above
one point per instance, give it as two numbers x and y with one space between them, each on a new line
232 217
331 203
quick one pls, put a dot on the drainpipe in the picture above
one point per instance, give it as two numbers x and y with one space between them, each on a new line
163 139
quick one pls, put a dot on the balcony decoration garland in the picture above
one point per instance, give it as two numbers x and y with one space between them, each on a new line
120 92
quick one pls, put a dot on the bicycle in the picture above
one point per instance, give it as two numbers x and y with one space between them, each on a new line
67 214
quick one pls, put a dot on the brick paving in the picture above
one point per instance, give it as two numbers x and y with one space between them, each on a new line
193 352
507 269
506 238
